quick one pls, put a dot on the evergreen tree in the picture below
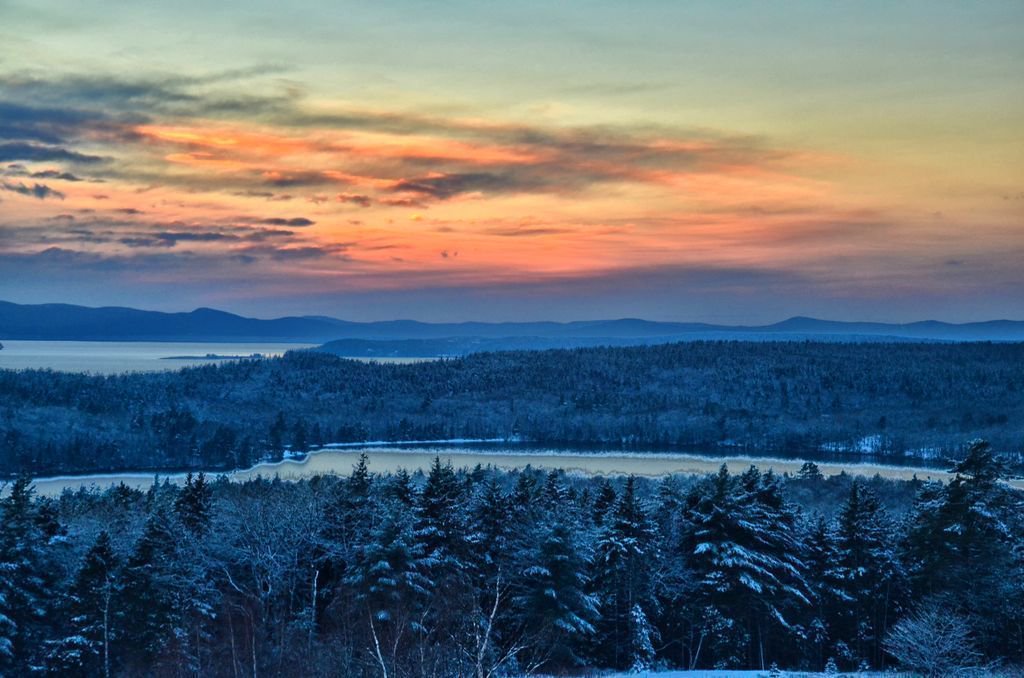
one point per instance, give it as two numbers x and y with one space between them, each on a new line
870 573
961 545
604 502
149 621
90 616
194 504
624 563
553 609
389 581
493 530
24 595
400 488
810 471
741 544
441 534
440 525
825 578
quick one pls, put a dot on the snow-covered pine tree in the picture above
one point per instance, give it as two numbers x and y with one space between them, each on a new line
440 525
643 635
90 618
388 580
149 619
603 502
825 579
492 531
345 525
871 575
961 544
553 610
555 493
625 562
742 545
441 533
194 504
400 488
24 599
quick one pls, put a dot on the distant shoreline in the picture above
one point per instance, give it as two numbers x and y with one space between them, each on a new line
215 356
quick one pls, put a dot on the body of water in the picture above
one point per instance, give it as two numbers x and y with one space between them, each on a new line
389 459
115 357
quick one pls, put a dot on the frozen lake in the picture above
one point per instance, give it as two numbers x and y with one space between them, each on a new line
114 357
388 459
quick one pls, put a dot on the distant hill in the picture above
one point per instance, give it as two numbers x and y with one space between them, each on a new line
410 337
70 323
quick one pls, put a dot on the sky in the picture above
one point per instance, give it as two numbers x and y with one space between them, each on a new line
728 162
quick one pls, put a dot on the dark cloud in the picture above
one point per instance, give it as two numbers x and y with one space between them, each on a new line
40 191
355 199
308 252
295 222
41 125
55 174
526 231
269 195
296 179
445 186
404 202
16 170
262 234
174 238
36 153
193 236
51 115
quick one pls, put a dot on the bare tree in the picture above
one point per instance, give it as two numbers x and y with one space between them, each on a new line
936 642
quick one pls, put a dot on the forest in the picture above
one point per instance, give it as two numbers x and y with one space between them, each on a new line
480 572
899 399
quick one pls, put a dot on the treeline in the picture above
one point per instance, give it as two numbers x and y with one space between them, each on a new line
785 397
488 573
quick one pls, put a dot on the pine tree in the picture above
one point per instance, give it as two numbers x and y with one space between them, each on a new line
961 544
149 620
825 579
810 471
741 543
400 488
553 609
90 622
24 596
604 502
555 491
441 534
870 572
493 529
194 504
624 563
300 437
440 526
642 635
388 577
524 494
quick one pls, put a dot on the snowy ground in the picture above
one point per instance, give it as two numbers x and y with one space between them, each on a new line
746 674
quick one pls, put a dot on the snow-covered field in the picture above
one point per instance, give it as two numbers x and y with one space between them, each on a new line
746 674
340 460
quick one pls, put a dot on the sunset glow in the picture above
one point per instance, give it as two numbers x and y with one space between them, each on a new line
523 162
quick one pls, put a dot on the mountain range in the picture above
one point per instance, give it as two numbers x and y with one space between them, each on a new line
409 337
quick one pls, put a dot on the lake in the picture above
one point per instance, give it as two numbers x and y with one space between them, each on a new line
114 357
387 459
